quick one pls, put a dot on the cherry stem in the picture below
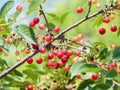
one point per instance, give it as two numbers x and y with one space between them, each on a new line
89 8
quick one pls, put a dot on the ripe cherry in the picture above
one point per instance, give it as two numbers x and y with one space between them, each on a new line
30 60
50 56
113 28
34 46
32 24
43 50
78 53
30 87
106 20
78 76
1 50
67 68
94 76
51 65
48 38
64 51
113 64
69 53
79 10
19 8
36 20
59 54
41 27
57 29
102 31
64 59
39 60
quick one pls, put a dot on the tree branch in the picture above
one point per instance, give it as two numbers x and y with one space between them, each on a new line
18 64
89 8
118 84
81 21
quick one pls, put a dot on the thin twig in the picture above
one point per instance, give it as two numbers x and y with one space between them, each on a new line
118 84
47 24
89 8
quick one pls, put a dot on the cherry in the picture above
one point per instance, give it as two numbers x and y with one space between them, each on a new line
94 1
32 24
67 68
82 42
94 76
98 5
113 28
112 16
80 36
57 29
64 59
34 46
118 4
1 50
75 59
29 1
57 65
41 27
69 53
50 56
78 53
36 20
59 54
7 41
48 38
113 46
17 53
39 60
76 39
19 8
113 64
43 50
64 51
36 36
118 70
30 87
27 51
78 76
79 10
55 52
102 31
51 65
106 20
60 63
30 60
109 67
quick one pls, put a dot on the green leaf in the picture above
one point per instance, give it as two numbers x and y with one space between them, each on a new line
117 78
118 33
98 21
116 54
26 33
2 41
99 45
101 86
16 14
17 73
82 67
17 84
103 54
63 17
6 7
111 74
84 84
33 5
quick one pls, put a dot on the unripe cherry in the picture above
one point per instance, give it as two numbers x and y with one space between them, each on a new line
27 51
94 76
29 61
19 8
57 29
94 1
102 31
98 5
118 70
41 27
79 10
113 46
39 60
36 20
17 53
29 1
7 40
106 20
78 53
112 16
80 36
118 4
113 28
76 39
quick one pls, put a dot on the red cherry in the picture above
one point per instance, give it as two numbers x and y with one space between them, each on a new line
94 76
67 68
113 28
109 67
7 41
29 61
57 65
51 65
57 29
36 20
41 27
60 63
34 46
36 36
39 60
30 87
113 64
78 53
19 8
79 10
32 24
78 76
102 31
106 20
50 56
49 38
1 50
59 55
69 53
64 51
55 52
64 59
43 50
